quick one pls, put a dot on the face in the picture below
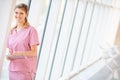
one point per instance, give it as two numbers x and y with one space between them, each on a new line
20 15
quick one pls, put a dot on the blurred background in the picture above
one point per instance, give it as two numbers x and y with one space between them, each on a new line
72 34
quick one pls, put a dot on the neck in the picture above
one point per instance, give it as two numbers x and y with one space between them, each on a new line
20 25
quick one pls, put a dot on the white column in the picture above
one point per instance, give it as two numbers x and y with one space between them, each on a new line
6 11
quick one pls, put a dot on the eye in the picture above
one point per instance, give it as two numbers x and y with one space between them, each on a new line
21 13
16 12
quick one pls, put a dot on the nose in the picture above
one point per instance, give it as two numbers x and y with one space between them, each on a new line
17 14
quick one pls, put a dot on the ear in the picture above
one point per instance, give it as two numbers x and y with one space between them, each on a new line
26 15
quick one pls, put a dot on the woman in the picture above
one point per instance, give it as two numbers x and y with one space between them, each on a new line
22 43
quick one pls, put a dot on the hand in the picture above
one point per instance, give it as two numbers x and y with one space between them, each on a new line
12 57
9 57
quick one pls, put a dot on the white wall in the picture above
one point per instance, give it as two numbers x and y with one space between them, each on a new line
5 23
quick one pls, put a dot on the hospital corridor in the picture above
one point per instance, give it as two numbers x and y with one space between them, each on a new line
79 39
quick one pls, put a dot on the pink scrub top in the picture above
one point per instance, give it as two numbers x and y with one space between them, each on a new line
21 41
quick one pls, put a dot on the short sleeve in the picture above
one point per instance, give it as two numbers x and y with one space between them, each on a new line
34 40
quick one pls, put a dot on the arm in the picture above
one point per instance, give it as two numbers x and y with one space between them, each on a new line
32 52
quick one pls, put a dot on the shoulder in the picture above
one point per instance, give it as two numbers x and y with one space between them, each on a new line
12 30
32 29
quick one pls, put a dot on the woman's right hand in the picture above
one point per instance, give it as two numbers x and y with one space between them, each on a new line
9 56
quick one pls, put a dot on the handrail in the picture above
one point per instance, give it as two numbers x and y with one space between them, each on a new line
74 73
